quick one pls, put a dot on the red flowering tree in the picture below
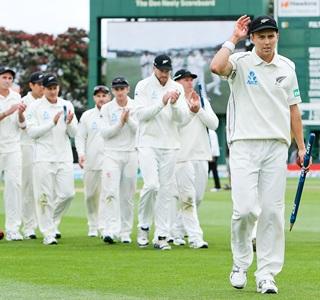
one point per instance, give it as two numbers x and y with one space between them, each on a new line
66 55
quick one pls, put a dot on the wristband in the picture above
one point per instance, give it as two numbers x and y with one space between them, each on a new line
229 45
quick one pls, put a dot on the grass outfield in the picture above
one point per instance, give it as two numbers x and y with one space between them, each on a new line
85 268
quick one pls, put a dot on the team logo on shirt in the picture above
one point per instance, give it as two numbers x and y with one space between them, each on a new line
46 115
252 78
114 118
296 93
94 125
154 95
280 79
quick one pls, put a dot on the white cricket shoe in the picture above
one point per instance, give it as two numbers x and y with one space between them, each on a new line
199 244
50 240
162 245
14 236
126 239
238 277
179 241
143 237
93 233
267 286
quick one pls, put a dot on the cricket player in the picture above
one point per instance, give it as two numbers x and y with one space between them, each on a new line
29 217
120 163
11 120
160 107
51 123
89 144
192 162
262 110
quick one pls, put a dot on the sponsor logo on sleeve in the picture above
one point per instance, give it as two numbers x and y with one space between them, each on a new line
296 93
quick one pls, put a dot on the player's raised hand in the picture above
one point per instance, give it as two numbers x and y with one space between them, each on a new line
241 28
174 96
166 98
57 117
194 102
21 107
81 161
124 116
69 117
12 109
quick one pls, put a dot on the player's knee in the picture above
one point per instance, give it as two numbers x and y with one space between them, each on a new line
188 203
245 213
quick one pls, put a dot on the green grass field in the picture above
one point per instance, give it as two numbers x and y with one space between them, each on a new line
85 268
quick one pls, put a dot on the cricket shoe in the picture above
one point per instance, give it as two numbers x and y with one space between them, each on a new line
179 241
58 234
143 237
49 240
29 235
125 239
92 233
199 244
109 239
14 236
254 244
162 244
267 286
238 277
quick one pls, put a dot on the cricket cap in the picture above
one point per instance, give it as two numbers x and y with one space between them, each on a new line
163 62
50 79
262 23
100 89
7 70
183 74
36 77
119 82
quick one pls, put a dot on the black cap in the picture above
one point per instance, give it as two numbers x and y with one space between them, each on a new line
163 62
263 22
36 77
100 88
183 74
119 82
7 70
50 79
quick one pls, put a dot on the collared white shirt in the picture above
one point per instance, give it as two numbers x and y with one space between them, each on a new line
52 142
117 137
89 141
260 98
158 124
195 141
9 126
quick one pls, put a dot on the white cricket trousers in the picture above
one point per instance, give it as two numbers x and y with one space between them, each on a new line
118 187
92 190
157 169
29 216
53 190
10 165
258 176
192 179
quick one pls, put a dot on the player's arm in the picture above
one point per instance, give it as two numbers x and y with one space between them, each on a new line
81 140
297 130
145 112
220 63
109 130
36 130
208 117
72 122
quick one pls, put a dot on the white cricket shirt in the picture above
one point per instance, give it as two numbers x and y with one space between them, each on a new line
89 141
117 137
9 126
158 124
52 142
260 98
195 141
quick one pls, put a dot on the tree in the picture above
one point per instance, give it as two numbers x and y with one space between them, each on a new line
65 55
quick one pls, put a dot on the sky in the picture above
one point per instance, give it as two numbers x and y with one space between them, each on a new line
48 16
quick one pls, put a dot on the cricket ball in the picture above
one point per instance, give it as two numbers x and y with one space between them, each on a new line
1 234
